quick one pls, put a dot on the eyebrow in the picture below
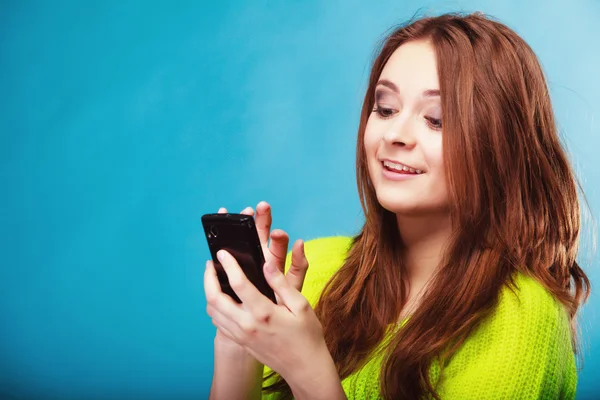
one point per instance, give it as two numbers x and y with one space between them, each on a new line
392 85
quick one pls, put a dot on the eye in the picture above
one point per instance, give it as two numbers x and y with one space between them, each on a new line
383 112
434 123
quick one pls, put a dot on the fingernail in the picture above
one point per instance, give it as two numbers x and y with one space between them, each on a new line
207 263
221 255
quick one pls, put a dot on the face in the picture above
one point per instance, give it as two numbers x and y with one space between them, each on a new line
403 136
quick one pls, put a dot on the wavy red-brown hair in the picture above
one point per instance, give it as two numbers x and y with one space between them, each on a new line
513 202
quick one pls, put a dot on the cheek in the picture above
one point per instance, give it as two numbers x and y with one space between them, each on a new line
371 140
433 151
435 162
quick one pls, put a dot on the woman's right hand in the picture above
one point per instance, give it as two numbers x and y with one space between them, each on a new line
274 252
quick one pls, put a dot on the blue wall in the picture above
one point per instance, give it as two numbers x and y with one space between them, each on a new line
121 124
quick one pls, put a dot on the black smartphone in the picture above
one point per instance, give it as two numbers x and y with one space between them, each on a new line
237 234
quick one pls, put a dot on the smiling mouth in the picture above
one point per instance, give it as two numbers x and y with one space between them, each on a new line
400 168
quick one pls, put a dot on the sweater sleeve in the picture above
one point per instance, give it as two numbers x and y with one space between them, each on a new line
521 351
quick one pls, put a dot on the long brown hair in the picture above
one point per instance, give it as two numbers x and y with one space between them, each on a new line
514 207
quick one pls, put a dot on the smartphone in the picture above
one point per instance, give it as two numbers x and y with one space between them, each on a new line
237 234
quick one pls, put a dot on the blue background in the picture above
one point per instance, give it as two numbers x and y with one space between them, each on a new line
121 124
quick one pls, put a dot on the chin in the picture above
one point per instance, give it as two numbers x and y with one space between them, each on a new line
398 205
411 207
404 210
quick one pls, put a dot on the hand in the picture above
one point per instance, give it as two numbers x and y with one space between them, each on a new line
286 336
275 252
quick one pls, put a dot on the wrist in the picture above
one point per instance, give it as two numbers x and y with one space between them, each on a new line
229 354
233 361
320 380
225 348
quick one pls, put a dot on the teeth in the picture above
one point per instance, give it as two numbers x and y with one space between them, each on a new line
400 167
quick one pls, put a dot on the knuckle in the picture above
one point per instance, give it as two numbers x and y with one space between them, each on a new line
277 257
263 316
237 283
296 277
248 327
299 268
280 281
304 305
211 299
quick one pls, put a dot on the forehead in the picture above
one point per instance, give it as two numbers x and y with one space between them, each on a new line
412 67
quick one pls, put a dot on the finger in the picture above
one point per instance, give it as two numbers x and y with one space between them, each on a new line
240 324
226 326
289 296
278 248
216 298
222 331
297 272
239 331
263 223
253 300
222 210
247 211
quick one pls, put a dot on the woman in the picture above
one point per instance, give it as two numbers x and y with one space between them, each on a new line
463 281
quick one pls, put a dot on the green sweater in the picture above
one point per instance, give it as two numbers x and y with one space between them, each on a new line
521 351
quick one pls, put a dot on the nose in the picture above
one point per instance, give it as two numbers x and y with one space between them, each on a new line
400 133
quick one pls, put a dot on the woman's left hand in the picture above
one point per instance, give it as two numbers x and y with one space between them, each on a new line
287 337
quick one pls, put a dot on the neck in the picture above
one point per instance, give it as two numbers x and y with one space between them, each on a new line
424 239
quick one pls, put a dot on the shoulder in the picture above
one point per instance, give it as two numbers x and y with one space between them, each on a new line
526 315
325 256
530 304
523 345
326 250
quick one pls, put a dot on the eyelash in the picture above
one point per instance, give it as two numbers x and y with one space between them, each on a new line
386 113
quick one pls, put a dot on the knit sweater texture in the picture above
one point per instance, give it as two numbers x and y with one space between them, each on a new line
522 350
